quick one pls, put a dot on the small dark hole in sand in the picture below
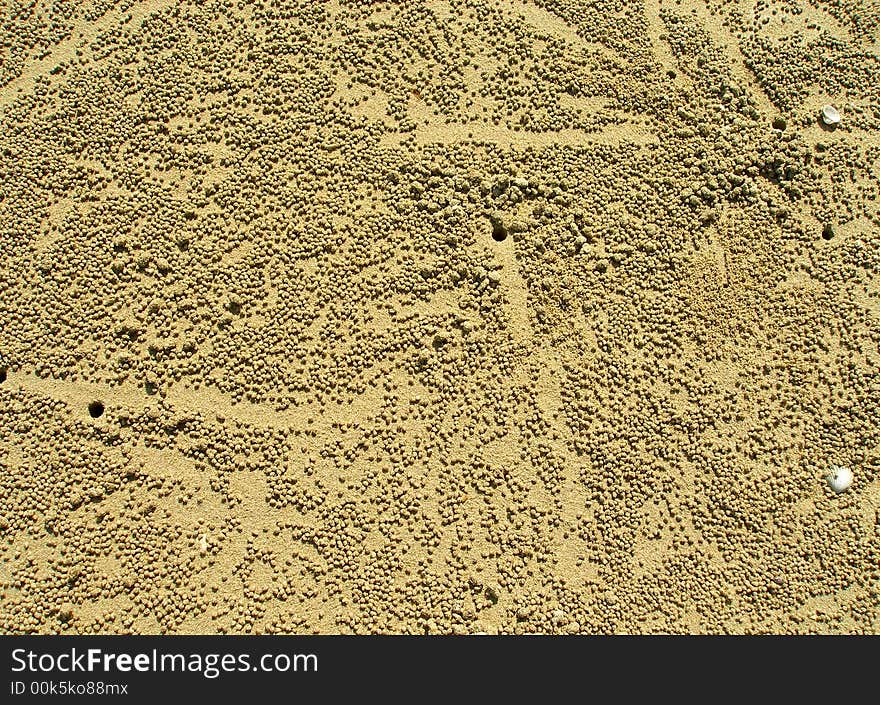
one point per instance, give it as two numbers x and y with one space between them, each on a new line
827 231
2 375
96 409
499 232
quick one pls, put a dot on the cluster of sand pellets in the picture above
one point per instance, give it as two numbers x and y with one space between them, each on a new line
439 316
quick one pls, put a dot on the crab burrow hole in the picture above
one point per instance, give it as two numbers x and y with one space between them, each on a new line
96 409
499 229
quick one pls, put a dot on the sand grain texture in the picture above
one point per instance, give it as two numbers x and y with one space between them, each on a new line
505 316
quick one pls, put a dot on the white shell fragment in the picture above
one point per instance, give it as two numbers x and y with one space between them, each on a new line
830 115
840 478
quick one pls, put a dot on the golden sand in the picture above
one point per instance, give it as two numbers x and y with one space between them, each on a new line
439 316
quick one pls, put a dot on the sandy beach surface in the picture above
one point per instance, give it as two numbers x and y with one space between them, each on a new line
439 316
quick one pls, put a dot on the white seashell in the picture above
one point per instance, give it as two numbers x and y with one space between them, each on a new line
830 115
840 478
